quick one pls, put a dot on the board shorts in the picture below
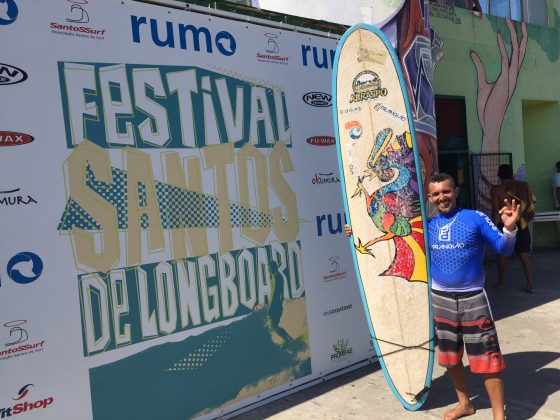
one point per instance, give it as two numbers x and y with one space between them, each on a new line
522 238
464 320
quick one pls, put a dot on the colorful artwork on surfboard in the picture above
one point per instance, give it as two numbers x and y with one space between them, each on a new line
383 194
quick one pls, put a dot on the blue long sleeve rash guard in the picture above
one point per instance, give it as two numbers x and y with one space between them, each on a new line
457 249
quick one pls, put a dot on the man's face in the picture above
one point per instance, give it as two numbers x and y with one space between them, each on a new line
443 196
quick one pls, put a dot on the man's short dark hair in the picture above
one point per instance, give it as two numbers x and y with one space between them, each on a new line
441 177
558 166
505 171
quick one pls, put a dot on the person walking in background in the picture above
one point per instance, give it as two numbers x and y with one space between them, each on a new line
509 189
556 185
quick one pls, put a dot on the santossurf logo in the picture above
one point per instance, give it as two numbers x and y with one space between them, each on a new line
77 22
24 406
17 344
335 272
272 48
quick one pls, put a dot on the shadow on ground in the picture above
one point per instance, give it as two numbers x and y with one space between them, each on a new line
292 400
512 299
527 380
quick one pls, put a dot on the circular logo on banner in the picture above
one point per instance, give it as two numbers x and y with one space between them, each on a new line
9 12
19 270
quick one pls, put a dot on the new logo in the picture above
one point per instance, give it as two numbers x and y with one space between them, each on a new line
8 12
10 75
318 99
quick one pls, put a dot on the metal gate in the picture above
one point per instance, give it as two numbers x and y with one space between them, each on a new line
484 170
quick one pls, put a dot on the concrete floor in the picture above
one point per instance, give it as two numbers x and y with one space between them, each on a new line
529 331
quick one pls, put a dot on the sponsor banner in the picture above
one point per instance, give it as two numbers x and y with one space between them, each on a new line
162 231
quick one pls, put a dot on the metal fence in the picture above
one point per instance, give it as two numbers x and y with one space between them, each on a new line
484 170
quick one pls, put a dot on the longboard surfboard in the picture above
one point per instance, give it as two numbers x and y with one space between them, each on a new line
380 172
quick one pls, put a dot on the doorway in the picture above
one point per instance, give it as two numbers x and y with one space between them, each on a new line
453 145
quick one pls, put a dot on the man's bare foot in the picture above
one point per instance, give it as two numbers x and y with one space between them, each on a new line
460 410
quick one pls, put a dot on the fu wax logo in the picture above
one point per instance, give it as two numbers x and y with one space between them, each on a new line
25 406
13 138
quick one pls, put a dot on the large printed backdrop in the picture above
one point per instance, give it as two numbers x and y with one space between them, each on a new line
172 231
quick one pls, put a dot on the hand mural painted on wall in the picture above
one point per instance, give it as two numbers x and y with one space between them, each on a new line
493 99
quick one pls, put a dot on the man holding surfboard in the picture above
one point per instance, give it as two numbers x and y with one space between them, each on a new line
460 307
461 311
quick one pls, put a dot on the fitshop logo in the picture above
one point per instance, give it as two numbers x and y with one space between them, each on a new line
25 406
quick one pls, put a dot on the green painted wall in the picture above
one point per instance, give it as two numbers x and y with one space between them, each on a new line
530 129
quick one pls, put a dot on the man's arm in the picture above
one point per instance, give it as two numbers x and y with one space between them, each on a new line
509 215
